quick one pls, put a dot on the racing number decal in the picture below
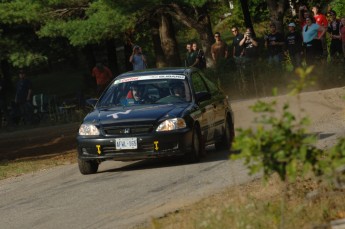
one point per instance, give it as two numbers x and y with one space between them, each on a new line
156 145
98 149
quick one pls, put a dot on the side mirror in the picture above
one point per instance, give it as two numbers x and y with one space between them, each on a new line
202 96
91 102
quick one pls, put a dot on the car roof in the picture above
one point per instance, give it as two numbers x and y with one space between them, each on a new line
158 71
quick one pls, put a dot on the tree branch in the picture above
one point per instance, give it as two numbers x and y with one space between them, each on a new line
68 12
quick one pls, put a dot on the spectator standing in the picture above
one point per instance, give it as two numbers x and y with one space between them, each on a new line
334 30
190 56
237 50
249 44
23 98
200 60
294 42
103 77
342 33
274 43
311 40
138 59
303 13
219 49
321 20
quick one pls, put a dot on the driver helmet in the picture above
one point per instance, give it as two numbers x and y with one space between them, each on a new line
135 92
177 88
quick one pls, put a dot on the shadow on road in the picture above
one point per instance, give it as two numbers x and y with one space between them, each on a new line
211 155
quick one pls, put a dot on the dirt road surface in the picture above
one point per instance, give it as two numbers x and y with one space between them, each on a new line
124 194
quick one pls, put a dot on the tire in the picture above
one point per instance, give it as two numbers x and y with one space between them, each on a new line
87 167
228 136
194 155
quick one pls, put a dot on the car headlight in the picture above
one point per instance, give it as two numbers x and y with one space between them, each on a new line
172 124
88 129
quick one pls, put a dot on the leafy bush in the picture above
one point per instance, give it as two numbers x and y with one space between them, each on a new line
280 143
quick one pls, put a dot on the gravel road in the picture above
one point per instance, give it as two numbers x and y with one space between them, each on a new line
124 194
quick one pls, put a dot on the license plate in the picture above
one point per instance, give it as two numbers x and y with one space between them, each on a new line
126 143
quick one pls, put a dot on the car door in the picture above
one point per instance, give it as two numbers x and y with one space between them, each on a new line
206 109
219 108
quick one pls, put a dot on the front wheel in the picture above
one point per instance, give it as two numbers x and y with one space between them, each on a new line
228 136
87 167
194 155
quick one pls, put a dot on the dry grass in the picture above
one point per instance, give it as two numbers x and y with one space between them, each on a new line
307 204
32 164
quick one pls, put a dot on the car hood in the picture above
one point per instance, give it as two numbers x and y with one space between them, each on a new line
148 114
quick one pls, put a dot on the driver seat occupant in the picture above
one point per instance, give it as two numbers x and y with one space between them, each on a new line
135 93
178 90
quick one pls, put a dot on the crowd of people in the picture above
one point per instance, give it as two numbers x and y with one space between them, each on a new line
306 41
195 57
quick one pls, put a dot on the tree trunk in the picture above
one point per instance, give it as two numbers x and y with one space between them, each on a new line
128 49
160 58
207 39
89 56
112 57
168 41
5 69
277 10
198 20
246 15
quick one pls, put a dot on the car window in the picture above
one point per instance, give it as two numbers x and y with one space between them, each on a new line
198 83
211 85
162 89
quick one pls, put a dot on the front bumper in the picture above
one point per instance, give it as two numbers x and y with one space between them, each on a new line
162 144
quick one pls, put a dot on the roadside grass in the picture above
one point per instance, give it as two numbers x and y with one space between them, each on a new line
14 168
260 205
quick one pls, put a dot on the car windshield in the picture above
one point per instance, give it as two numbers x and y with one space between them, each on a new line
154 89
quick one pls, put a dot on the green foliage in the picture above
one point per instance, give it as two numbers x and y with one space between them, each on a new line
332 164
281 148
281 143
339 7
19 11
304 80
258 10
18 42
20 59
102 23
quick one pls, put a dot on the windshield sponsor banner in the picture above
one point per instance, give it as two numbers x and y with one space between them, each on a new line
150 77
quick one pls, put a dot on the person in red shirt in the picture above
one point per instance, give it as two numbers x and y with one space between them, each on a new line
103 77
321 20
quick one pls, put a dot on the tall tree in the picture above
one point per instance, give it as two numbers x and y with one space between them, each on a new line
191 13
196 17
19 44
246 15
168 40
277 9
157 44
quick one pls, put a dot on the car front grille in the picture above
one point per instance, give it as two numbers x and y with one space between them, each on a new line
124 130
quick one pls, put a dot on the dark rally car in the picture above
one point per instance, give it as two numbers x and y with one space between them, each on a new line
155 113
